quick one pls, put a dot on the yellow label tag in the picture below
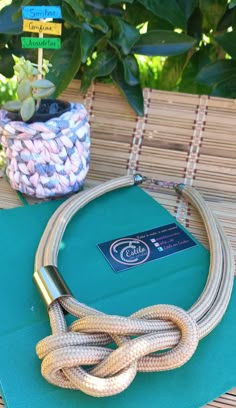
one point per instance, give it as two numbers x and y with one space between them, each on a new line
41 27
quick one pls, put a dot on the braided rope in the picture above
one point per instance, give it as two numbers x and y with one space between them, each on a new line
69 350
47 159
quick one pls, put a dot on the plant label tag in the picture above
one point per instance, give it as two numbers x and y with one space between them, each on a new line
137 249
36 42
42 27
41 12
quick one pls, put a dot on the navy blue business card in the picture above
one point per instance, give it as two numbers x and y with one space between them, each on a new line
133 250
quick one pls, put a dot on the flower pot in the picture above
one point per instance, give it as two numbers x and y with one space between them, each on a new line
43 114
47 159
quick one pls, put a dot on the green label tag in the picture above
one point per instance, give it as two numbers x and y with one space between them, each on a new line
35 42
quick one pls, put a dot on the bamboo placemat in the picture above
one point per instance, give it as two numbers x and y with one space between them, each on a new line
182 138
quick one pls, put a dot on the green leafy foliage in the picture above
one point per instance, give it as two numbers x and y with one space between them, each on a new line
103 65
228 42
88 41
65 63
213 11
111 2
133 93
124 35
232 4
180 45
172 70
216 72
7 89
167 9
6 62
131 71
8 24
163 42
29 88
187 7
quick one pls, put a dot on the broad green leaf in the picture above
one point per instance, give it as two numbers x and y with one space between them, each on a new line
226 21
112 2
226 89
172 71
97 4
7 25
187 6
232 4
228 42
24 89
137 15
78 8
71 19
6 63
163 43
133 94
27 108
196 63
12 106
17 15
131 70
54 2
99 23
216 72
115 47
103 65
88 42
203 57
167 9
3 40
195 24
189 85
213 10
124 34
157 23
65 64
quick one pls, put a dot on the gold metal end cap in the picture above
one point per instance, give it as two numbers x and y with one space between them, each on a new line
50 284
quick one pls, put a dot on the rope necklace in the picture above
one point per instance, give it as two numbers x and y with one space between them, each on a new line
67 352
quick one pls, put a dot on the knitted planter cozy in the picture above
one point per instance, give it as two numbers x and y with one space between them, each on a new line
47 159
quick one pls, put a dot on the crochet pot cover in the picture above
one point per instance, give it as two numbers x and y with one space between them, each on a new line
47 159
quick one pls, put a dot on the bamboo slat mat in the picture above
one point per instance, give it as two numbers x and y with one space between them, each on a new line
182 138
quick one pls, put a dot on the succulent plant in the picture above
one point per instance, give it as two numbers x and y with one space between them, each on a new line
30 89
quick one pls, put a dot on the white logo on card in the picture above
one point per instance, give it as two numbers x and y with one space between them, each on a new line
129 251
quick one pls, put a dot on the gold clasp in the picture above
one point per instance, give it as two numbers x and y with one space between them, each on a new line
50 284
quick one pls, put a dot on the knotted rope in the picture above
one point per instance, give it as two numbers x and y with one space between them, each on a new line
69 350
47 159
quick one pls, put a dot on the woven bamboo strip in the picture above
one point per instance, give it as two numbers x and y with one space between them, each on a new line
182 137
226 401
8 198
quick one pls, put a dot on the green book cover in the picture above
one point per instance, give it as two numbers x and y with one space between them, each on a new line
175 279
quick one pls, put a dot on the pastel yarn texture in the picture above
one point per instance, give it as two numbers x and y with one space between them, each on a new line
47 159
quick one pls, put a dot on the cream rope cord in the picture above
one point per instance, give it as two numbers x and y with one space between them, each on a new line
67 352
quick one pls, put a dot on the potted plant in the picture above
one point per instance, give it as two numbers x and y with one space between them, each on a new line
46 141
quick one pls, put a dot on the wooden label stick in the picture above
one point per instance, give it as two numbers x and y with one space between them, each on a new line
40 57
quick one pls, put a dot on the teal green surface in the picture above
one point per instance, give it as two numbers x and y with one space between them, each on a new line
177 279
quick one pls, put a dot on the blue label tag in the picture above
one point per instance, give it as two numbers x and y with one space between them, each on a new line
133 250
41 12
